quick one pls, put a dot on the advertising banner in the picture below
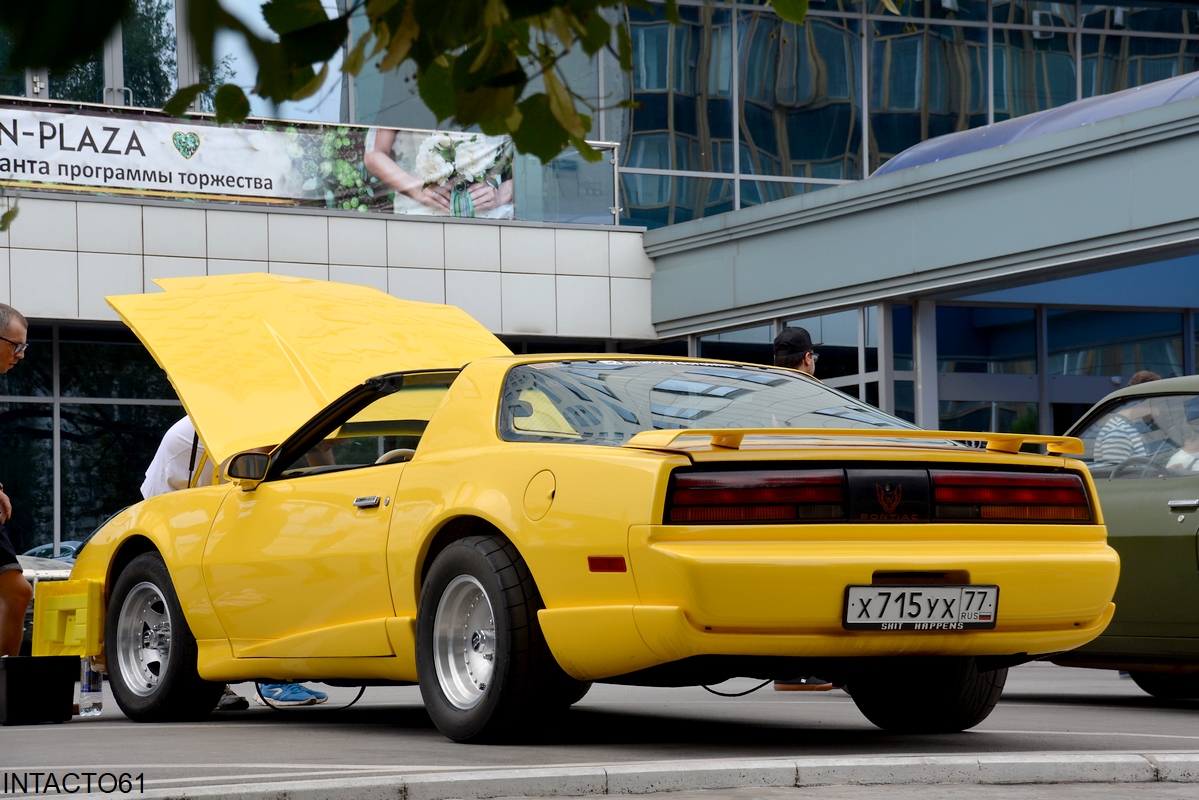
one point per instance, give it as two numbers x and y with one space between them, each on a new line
331 166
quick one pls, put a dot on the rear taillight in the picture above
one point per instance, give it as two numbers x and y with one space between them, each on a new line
1009 497
758 496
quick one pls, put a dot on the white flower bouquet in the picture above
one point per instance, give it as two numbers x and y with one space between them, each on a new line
461 159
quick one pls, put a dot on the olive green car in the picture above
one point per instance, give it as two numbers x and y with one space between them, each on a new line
1142 446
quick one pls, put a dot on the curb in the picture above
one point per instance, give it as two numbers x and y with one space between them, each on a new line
648 778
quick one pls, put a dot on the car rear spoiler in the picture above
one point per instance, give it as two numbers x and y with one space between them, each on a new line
731 438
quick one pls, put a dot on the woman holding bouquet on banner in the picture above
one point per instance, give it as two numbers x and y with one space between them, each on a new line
457 174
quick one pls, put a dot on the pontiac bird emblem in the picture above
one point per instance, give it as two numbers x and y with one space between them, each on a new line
889 496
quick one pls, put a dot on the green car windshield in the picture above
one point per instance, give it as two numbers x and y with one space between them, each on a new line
607 402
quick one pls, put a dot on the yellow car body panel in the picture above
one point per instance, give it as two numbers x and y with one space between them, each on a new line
294 578
254 356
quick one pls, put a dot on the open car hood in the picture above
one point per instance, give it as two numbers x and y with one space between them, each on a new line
255 356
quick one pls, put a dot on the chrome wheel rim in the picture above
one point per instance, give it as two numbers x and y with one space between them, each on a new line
464 642
143 639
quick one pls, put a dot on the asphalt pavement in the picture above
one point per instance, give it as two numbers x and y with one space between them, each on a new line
1053 726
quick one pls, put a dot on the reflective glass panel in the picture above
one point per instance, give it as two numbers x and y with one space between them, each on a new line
1034 12
1155 17
148 52
1034 70
755 193
681 83
962 10
871 340
925 81
990 340
34 376
657 200
800 111
752 345
105 452
108 363
994 417
836 339
1116 343
905 400
12 81
83 82
567 189
1111 62
28 472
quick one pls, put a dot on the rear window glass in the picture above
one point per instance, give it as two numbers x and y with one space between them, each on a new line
608 402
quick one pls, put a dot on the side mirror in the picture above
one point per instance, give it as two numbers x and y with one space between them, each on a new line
249 468
521 408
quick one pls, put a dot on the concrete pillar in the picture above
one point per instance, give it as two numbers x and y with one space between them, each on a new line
924 338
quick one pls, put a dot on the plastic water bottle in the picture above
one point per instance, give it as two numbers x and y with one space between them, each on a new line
91 697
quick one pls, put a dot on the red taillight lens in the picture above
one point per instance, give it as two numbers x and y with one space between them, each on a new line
758 496
1009 496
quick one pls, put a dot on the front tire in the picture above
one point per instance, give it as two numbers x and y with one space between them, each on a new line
484 668
150 650
1168 686
927 695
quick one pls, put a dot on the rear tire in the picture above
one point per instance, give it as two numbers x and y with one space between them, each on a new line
933 695
1168 686
150 650
484 668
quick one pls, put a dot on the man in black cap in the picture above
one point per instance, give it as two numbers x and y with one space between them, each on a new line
793 348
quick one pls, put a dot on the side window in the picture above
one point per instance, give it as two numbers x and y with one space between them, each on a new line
386 431
1145 437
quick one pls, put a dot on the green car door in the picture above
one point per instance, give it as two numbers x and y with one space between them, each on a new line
1143 451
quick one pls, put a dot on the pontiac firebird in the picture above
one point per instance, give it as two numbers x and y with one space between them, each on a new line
405 501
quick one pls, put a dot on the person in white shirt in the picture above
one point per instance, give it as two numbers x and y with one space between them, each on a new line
179 463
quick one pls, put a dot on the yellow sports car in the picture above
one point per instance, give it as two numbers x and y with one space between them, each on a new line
406 501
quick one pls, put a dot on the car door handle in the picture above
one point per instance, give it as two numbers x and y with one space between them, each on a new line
367 502
1177 505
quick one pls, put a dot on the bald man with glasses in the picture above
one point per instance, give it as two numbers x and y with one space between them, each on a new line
15 592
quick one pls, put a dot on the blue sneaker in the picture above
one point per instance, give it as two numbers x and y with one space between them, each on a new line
283 694
320 696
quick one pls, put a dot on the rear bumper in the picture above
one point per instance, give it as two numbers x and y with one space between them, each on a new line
780 591
597 643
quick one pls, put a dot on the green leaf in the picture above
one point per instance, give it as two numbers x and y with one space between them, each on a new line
314 43
597 32
562 106
436 84
792 10
539 132
288 16
672 12
313 86
231 104
523 9
181 101
405 32
357 55
586 151
7 219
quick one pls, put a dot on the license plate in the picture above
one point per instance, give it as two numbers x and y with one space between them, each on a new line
920 608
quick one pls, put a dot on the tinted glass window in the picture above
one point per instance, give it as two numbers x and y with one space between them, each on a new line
608 402
1145 437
